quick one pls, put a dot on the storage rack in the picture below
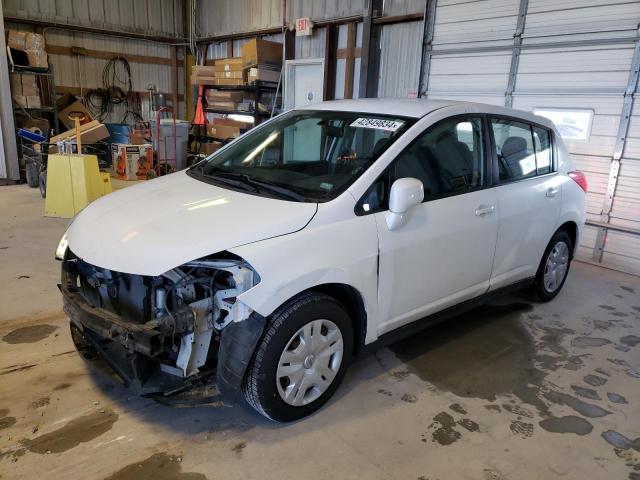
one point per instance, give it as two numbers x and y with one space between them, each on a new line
257 88
51 94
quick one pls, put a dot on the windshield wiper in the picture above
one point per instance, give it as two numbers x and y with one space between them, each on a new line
246 180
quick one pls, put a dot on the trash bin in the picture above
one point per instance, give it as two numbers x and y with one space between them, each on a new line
164 144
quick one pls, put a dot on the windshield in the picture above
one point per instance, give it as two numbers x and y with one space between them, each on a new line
305 156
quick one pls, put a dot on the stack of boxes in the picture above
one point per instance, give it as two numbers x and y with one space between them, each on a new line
261 60
25 91
27 49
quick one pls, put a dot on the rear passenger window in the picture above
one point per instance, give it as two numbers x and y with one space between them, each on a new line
542 145
514 146
523 150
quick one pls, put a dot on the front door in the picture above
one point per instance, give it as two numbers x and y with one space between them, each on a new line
442 254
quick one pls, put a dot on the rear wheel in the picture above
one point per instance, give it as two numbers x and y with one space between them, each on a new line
301 359
554 267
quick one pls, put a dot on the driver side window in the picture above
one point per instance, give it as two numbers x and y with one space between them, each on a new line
448 159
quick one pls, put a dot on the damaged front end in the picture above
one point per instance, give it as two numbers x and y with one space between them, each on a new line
184 330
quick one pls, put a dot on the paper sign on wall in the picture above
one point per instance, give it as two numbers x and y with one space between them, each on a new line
303 27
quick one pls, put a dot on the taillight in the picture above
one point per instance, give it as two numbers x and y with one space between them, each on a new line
578 177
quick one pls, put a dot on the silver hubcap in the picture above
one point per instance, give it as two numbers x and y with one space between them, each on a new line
556 267
309 362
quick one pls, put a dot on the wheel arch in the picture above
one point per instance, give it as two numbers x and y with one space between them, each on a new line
571 228
351 299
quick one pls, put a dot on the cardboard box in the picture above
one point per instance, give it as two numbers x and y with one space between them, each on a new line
133 162
38 58
233 123
30 45
225 95
202 80
204 70
233 82
17 40
19 101
230 106
222 132
33 101
208 148
67 104
15 79
233 64
91 132
257 51
231 74
30 90
263 74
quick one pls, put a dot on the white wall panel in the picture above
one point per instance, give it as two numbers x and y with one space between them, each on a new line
552 18
464 22
477 73
580 70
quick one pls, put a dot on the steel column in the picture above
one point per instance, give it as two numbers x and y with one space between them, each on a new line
623 129
370 59
515 53
428 21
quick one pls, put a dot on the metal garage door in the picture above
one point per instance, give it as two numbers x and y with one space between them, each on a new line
576 55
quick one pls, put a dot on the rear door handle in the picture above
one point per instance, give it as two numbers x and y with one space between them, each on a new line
485 210
552 192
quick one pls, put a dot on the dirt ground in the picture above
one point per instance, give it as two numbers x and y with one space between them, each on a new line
513 390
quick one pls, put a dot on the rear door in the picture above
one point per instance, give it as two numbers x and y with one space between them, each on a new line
529 198
442 254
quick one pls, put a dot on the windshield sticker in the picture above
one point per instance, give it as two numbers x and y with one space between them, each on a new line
378 124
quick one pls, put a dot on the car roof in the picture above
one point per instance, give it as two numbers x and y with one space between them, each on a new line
402 107
419 107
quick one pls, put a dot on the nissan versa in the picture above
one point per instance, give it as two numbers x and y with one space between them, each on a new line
261 270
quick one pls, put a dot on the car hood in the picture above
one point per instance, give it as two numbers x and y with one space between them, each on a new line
150 228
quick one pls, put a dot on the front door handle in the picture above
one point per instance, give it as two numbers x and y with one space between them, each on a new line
485 210
552 192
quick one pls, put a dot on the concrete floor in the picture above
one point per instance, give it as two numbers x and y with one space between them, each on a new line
515 390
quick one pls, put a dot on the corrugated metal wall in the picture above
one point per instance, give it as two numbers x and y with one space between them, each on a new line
154 17
222 17
161 17
400 59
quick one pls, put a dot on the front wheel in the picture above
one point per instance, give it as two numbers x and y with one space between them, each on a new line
554 267
301 359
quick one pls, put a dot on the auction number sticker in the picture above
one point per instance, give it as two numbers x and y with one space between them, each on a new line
378 124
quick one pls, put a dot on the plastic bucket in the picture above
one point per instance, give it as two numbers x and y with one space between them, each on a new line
119 132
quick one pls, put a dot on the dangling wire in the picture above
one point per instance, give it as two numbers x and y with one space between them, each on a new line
117 89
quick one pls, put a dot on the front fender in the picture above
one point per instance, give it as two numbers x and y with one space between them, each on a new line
344 252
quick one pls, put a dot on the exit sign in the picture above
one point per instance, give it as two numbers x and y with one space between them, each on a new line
303 27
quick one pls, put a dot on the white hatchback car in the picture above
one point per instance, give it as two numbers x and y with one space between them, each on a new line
264 268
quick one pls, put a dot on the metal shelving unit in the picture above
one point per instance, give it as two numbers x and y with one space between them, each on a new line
51 93
257 88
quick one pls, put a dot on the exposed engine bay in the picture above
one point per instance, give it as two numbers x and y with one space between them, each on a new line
161 333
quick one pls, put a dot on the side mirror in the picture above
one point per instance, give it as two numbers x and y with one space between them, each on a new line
406 193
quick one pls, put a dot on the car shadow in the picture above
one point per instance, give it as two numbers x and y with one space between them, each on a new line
446 355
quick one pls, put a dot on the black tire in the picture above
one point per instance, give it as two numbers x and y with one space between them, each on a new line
543 293
260 389
32 174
